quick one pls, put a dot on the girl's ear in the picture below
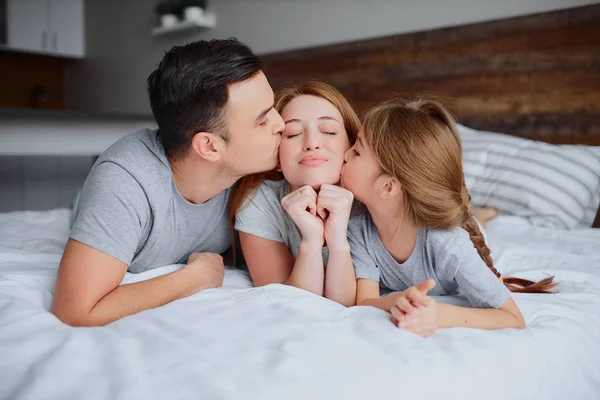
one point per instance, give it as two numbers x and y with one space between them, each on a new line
388 187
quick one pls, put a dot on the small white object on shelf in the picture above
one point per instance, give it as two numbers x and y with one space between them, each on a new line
193 13
168 20
208 20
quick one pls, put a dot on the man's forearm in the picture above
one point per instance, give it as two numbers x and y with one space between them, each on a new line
133 298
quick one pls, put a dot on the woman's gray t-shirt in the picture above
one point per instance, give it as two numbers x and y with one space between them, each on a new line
447 257
263 215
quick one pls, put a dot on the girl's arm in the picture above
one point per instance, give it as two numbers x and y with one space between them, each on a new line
270 261
424 320
507 316
367 294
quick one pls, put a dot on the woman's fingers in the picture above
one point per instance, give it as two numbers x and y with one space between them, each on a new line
323 205
334 199
303 198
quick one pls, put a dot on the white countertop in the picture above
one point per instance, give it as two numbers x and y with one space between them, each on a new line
58 132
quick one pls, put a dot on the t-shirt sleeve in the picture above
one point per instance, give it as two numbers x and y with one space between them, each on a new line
365 266
112 212
260 215
474 279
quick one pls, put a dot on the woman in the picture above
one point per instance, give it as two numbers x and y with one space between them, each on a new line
301 221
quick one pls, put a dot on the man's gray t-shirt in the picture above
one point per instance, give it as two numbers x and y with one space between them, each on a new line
447 257
130 209
263 215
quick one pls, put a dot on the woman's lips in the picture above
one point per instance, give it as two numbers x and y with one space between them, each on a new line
312 160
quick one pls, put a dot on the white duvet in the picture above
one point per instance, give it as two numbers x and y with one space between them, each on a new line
278 342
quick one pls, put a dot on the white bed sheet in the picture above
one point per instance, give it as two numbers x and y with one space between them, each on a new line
274 342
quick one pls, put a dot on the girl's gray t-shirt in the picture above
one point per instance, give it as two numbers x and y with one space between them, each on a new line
447 257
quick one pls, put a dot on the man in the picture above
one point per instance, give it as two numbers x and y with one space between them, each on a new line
159 197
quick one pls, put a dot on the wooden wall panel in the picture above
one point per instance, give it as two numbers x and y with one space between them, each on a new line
24 76
536 76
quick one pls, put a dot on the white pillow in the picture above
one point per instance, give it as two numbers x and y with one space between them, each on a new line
550 185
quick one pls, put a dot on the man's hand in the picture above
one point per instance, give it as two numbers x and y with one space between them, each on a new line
207 268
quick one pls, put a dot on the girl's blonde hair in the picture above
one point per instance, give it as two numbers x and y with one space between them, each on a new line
247 185
417 143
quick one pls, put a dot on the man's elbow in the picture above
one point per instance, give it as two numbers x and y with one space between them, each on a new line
519 322
76 319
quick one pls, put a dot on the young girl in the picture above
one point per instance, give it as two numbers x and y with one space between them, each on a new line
406 167
291 229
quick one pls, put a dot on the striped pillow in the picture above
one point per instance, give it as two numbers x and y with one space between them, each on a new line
550 185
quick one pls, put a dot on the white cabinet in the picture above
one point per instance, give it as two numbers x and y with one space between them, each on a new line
67 27
27 22
48 26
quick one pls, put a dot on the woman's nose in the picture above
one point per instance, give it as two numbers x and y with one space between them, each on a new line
311 141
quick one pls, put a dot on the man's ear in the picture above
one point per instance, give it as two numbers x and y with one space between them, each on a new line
388 186
207 145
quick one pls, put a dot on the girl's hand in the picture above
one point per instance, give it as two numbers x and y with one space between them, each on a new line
425 321
334 204
415 311
301 206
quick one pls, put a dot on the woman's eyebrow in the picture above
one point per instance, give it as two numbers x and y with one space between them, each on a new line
328 118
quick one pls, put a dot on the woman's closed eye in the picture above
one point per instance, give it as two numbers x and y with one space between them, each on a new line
292 134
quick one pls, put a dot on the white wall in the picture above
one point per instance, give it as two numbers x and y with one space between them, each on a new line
121 53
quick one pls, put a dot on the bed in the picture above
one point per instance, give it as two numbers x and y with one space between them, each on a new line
276 341
281 342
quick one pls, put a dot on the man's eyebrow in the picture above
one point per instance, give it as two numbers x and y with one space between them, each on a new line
265 112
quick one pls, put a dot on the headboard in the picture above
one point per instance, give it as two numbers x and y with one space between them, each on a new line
536 76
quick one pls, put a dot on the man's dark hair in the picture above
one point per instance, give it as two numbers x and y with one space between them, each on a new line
189 89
